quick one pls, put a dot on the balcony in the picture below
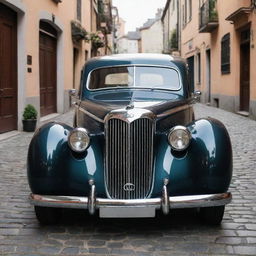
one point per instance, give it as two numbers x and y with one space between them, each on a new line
208 17
78 33
104 19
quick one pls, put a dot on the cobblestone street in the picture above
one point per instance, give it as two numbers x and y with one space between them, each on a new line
180 233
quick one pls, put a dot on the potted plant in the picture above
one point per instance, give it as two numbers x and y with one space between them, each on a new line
29 118
78 32
97 40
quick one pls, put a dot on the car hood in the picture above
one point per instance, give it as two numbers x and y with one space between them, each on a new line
100 104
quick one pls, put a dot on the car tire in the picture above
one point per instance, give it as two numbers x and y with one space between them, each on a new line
212 215
47 215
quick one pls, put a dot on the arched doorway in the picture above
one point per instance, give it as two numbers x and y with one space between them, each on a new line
8 65
48 68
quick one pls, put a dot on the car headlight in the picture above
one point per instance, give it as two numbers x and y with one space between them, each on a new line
179 138
78 140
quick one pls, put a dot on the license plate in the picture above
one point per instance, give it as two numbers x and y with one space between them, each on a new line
127 212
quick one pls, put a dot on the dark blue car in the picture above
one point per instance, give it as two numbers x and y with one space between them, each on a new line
135 146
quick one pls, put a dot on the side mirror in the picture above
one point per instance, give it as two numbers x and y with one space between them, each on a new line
196 96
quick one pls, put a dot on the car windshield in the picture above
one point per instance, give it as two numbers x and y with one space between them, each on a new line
135 77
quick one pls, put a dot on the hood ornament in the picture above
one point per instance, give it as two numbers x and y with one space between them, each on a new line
130 106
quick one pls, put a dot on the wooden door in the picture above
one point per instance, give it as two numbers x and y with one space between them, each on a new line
8 69
245 77
48 79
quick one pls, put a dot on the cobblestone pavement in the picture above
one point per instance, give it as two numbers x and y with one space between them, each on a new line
180 233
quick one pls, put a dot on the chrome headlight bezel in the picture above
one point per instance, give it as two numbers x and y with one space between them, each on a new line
83 133
186 137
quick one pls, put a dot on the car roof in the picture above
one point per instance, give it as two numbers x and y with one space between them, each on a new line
133 59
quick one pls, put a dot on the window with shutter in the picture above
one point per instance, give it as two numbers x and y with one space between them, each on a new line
225 54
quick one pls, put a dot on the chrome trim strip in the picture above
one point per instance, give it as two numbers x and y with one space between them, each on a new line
89 114
165 201
134 65
131 111
59 201
92 200
126 156
174 110
175 201
129 115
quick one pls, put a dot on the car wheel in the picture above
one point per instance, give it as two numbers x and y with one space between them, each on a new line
212 215
47 215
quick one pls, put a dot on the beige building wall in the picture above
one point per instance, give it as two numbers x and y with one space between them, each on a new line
170 23
59 16
120 28
152 38
126 45
224 89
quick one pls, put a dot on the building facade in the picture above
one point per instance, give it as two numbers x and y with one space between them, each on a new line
129 43
217 39
171 27
45 44
152 35
120 27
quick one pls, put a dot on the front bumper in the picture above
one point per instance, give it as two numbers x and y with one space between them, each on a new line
165 203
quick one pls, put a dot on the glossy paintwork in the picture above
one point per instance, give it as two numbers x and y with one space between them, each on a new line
54 169
138 59
205 167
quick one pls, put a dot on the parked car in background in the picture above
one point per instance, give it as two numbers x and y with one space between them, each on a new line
135 147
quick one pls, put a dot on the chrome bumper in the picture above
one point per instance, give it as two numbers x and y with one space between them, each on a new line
165 203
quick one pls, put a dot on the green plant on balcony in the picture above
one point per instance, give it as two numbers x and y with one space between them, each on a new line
78 32
104 16
213 14
97 40
100 7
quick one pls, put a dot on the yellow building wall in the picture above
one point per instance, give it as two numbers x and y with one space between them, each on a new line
64 12
193 42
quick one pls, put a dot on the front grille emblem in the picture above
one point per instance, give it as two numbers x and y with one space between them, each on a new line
129 187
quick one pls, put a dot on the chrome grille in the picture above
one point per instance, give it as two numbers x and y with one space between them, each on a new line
129 158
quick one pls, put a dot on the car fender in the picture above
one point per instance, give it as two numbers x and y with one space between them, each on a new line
204 168
54 169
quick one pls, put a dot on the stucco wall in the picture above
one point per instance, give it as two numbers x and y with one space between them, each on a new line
59 16
223 86
152 38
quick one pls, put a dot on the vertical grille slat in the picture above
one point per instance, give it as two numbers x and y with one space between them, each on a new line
129 157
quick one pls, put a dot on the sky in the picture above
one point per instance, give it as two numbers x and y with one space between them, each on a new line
136 12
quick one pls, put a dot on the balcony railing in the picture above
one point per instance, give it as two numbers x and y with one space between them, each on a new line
104 16
208 17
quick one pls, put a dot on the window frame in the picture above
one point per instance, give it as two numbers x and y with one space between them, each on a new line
225 54
79 10
137 88
199 68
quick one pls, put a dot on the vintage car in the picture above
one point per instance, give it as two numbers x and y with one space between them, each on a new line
135 147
